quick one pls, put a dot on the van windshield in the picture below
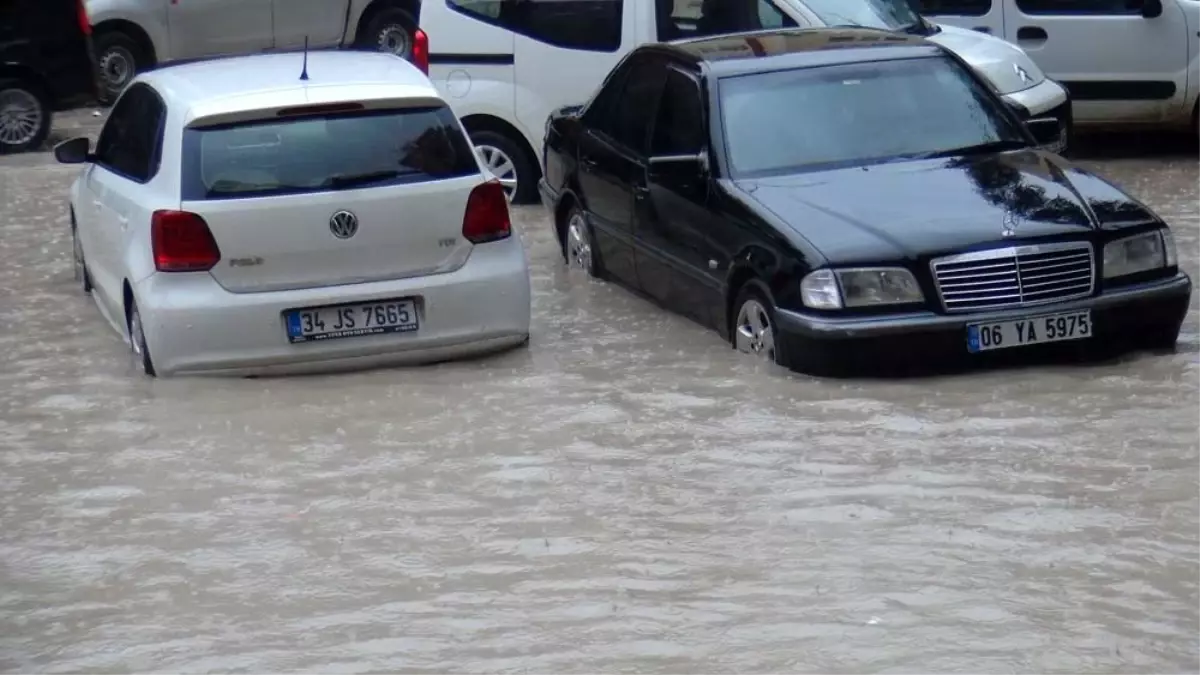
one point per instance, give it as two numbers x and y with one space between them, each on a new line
894 15
327 152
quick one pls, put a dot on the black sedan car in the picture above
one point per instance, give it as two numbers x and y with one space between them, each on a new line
831 197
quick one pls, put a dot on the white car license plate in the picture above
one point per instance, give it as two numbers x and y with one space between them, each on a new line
343 321
982 337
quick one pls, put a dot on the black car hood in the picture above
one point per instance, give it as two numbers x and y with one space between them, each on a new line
912 208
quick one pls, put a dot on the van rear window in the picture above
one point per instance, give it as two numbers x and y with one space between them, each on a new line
322 153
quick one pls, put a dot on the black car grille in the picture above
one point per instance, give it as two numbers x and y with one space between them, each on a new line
1016 276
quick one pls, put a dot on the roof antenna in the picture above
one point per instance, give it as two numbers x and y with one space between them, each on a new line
304 70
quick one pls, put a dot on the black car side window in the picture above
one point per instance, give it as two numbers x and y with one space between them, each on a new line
598 116
634 109
679 125
954 7
130 144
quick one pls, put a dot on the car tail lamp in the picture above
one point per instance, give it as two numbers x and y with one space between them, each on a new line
85 23
487 214
182 242
420 51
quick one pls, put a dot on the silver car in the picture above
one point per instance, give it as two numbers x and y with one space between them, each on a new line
135 35
238 217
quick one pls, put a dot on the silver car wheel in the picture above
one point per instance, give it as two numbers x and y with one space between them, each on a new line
579 244
501 166
117 68
137 336
755 335
20 116
394 39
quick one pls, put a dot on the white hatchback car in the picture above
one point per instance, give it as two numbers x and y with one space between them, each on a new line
238 216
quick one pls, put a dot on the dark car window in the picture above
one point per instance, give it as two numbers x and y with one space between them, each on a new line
328 152
589 25
885 14
131 142
793 120
1075 7
623 108
679 126
954 7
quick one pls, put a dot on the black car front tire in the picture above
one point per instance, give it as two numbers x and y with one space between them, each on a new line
25 116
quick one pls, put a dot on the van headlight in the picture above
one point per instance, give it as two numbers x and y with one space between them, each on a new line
1139 253
859 287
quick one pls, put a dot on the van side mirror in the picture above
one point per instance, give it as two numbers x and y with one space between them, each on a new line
74 151
1152 9
1044 130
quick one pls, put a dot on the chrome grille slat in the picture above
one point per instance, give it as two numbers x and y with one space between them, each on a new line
1014 276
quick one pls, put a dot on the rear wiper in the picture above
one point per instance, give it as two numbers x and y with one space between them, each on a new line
978 149
356 179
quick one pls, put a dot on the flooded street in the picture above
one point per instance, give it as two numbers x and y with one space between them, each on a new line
625 495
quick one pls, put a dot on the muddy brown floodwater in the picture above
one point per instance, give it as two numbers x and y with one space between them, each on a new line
627 494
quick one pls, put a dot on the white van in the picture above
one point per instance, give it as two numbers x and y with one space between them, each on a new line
505 65
1125 62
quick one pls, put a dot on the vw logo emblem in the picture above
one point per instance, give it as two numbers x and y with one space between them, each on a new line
343 224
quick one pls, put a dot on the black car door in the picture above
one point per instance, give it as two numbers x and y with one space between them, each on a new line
678 260
612 153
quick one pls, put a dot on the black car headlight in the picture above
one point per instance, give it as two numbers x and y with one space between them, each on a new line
1139 253
859 287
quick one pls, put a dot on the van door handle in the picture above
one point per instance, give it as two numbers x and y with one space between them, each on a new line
1033 36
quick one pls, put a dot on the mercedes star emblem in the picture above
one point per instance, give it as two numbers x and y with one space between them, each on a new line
343 224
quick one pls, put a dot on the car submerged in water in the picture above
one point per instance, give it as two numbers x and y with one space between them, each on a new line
828 198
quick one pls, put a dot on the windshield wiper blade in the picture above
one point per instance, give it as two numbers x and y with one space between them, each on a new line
356 179
978 149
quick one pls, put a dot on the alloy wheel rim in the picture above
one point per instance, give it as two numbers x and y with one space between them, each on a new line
135 332
116 68
579 245
501 166
394 40
755 335
20 116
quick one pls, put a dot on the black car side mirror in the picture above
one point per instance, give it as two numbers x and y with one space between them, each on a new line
1044 130
1152 8
74 151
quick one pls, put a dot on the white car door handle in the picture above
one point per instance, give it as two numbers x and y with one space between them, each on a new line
97 203
123 221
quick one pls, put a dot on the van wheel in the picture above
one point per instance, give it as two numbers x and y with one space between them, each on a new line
119 59
510 164
24 116
390 31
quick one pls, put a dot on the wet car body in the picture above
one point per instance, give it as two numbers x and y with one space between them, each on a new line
697 247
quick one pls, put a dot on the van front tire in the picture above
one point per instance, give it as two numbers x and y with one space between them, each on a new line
509 162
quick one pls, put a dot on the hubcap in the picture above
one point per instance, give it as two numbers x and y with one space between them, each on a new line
20 116
394 40
135 332
501 166
116 69
579 246
754 334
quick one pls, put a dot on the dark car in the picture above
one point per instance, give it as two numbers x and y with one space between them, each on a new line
830 197
46 64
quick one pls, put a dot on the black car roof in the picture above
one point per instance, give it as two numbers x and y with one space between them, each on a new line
741 53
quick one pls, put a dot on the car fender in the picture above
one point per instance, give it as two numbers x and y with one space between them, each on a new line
150 17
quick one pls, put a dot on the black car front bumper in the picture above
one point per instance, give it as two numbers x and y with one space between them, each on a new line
1121 318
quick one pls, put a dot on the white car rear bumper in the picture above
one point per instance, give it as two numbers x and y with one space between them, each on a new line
194 326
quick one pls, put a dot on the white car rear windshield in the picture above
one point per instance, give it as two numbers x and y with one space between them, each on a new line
326 152
847 115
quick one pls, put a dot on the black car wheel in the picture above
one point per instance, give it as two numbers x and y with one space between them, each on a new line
579 249
754 329
25 116
391 31
509 163
137 338
81 271
119 60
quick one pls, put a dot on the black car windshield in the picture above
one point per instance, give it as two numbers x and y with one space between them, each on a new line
885 14
853 114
